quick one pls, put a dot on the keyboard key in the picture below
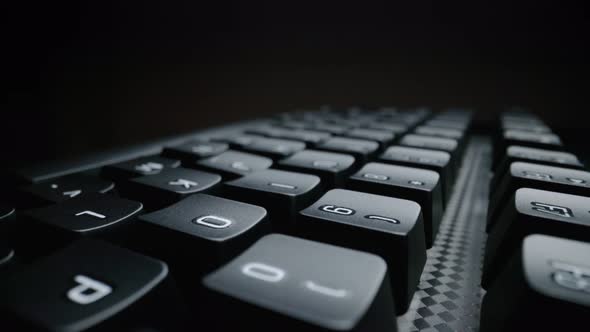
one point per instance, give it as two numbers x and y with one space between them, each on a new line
203 228
58 224
419 185
169 186
427 142
521 175
545 141
548 276
330 128
89 285
286 283
307 136
526 126
61 189
362 150
397 129
192 151
380 136
282 193
458 125
455 134
273 147
389 227
138 167
233 164
537 156
332 168
438 161
534 211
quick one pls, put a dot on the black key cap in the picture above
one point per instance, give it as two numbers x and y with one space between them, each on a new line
537 156
462 126
282 193
330 128
434 143
138 167
440 132
333 168
233 164
307 136
438 161
526 126
236 141
521 175
89 285
205 229
286 283
389 227
546 141
169 186
397 129
545 287
273 147
6 254
106 216
362 150
381 136
63 188
192 151
534 211
419 185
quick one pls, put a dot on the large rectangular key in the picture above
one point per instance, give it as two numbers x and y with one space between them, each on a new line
285 283
389 227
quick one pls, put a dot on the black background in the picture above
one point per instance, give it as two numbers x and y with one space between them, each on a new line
82 76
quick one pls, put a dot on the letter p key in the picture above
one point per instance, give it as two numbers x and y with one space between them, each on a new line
88 290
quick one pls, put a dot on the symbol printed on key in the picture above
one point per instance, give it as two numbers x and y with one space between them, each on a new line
571 276
149 167
90 213
241 166
332 292
263 272
324 164
376 176
88 290
380 218
187 184
555 210
202 149
282 185
213 222
337 210
72 193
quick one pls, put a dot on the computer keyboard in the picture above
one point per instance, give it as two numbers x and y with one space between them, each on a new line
353 220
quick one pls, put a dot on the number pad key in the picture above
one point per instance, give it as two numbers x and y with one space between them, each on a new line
419 185
90 285
533 211
538 156
282 193
527 175
547 276
438 161
333 168
232 164
389 227
286 283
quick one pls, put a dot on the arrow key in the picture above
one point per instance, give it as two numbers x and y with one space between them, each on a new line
61 189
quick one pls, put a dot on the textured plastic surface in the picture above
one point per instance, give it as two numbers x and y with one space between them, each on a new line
449 294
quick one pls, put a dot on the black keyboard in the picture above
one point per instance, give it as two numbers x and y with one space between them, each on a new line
356 220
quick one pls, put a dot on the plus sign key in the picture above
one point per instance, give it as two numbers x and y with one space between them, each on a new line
169 186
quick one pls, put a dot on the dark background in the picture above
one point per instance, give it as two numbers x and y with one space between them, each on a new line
82 76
